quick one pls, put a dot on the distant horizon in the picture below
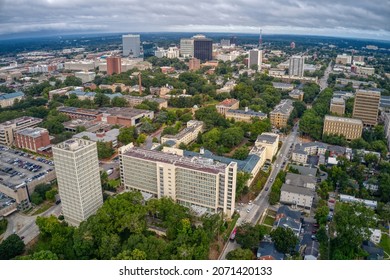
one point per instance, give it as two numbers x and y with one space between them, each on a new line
39 34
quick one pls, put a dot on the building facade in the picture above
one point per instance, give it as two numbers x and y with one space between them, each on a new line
114 65
347 127
337 106
298 196
8 99
270 141
296 65
78 177
203 48
366 106
187 47
186 136
32 138
245 115
8 128
227 104
131 45
255 58
194 64
280 114
190 181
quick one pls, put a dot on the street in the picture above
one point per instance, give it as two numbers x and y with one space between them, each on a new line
260 204
24 225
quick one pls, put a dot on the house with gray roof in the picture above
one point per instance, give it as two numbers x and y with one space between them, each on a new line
267 251
298 196
303 170
301 180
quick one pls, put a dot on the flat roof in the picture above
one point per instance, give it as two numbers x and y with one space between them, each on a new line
249 112
228 102
268 138
298 190
341 119
285 107
32 132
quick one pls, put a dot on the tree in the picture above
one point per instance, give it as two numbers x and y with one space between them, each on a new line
322 212
50 195
127 135
141 139
241 186
11 247
119 102
241 153
232 136
104 149
72 81
40 255
352 224
101 100
249 236
240 254
285 239
36 198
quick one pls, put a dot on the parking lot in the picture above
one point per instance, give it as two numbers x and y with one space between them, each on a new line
5 201
17 167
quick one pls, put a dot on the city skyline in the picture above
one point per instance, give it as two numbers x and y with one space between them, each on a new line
360 20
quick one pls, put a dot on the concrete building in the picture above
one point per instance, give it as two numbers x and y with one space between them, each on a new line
8 128
347 127
366 106
85 76
343 59
387 128
296 65
194 64
283 86
78 177
32 139
280 114
80 65
227 104
8 99
245 115
337 106
110 136
114 65
131 45
355 83
187 47
369 71
270 141
203 48
298 196
255 58
296 94
299 156
136 100
202 184
186 136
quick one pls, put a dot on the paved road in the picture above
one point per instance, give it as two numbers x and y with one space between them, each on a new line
324 80
260 204
24 225
149 140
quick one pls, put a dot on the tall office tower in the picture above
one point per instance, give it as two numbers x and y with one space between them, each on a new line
261 40
113 65
78 177
187 47
131 45
233 40
203 47
195 182
292 45
296 66
225 43
255 58
366 106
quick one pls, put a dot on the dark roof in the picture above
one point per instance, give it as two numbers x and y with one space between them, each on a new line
298 190
299 180
266 138
374 252
308 171
312 249
267 249
287 212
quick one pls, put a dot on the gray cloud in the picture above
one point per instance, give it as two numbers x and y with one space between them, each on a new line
358 18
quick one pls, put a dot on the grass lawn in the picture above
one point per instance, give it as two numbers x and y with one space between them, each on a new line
42 209
269 221
385 243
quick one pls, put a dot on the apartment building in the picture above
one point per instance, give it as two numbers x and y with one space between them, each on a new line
280 114
255 58
347 127
366 106
296 94
343 59
337 106
32 139
227 104
186 136
8 128
270 141
8 99
131 45
296 65
298 196
245 115
78 177
194 182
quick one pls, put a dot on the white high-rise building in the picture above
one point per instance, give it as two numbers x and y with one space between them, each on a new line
78 177
131 45
255 58
187 47
296 66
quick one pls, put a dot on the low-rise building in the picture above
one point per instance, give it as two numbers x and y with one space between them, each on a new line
351 199
8 128
245 115
136 100
32 139
85 76
270 141
283 86
301 181
186 136
296 94
337 106
347 127
280 114
343 59
110 136
8 99
298 196
227 104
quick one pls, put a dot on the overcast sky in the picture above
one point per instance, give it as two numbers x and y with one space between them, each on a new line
352 18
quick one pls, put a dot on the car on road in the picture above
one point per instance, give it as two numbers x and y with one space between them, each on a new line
314 232
316 225
267 188
271 180
277 165
250 202
249 209
313 237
